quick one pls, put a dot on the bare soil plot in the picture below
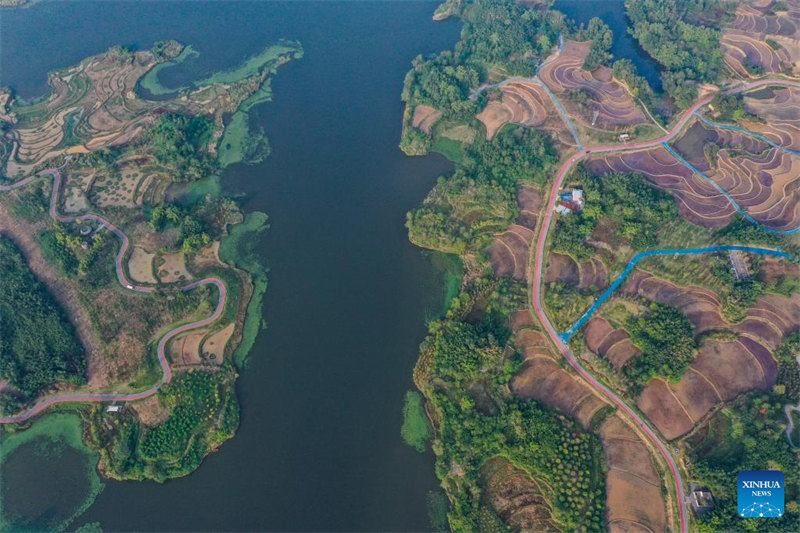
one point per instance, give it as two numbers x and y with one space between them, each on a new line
745 45
698 200
151 411
185 349
510 251
613 344
701 306
583 275
140 265
691 144
425 117
173 268
214 345
515 496
765 185
541 378
608 98
529 201
633 489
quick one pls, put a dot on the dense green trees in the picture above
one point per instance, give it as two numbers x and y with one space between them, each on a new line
38 347
666 338
514 156
180 142
203 412
671 32
602 37
625 70
442 83
747 435
508 34
628 202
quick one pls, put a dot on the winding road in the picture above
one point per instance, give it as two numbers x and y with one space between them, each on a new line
538 254
128 284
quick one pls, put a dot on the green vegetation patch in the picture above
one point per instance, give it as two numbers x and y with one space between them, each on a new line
180 143
203 412
238 249
416 430
666 339
627 203
678 34
38 347
461 214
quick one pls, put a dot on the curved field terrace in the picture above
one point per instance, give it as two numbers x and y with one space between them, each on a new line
614 106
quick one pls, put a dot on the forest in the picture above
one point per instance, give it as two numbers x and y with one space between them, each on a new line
463 371
180 142
203 412
677 35
666 338
644 210
38 347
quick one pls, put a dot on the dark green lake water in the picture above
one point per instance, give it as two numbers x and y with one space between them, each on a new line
319 445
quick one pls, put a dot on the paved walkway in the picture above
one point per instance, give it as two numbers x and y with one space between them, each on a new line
538 254
128 284
638 257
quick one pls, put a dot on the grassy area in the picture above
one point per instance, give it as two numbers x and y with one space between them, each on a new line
452 268
416 430
449 148
238 250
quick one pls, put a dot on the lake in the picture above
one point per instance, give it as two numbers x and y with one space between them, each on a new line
319 445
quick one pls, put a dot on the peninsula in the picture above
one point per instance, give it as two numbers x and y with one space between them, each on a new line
127 295
628 314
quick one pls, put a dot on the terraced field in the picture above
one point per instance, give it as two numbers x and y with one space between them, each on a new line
723 368
509 251
95 105
634 499
762 41
699 201
521 102
615 107
584 275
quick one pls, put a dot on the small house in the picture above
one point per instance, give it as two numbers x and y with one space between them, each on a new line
113 409
701 499
571 201
623 137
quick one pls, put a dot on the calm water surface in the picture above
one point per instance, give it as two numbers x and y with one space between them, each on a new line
319 445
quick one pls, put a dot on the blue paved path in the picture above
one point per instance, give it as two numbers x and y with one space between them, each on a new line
638 257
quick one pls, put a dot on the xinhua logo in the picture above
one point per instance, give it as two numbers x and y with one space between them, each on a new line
760 494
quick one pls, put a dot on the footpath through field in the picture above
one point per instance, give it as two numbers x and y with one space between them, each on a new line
128 284
538 256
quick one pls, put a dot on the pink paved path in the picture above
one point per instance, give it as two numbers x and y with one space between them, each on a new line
539 252
125 282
